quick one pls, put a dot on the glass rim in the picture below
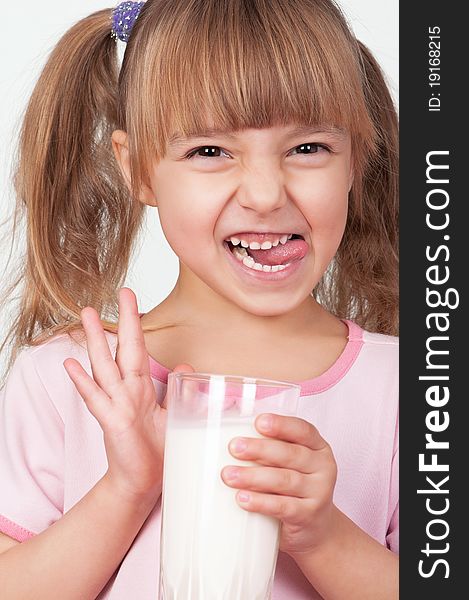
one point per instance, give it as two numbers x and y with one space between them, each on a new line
240 379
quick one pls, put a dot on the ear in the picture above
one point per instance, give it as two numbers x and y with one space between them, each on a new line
120 147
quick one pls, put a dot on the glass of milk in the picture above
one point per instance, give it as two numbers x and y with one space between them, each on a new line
212 549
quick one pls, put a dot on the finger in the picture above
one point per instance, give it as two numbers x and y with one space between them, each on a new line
105 371
131 354
269 479
291 429
276 453
95 399
178 369
284 508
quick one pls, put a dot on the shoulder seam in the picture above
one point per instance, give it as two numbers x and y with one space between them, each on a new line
34 349
44 387
383 340
112 339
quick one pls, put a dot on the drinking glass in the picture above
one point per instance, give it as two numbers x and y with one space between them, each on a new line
212 549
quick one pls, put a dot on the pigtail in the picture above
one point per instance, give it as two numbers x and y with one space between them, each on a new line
362 282
80 222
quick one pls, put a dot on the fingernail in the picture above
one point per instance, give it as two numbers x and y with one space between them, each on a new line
243 497
239 445
265 422
231 473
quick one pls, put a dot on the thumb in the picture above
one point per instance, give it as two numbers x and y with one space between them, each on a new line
178 369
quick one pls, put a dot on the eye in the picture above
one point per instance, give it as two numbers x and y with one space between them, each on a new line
311 148
207 152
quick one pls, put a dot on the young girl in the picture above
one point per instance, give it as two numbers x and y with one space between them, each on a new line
265 136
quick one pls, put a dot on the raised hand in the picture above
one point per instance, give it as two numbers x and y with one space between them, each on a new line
293 481
122 398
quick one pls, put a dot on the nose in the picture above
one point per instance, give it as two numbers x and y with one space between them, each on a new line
262 189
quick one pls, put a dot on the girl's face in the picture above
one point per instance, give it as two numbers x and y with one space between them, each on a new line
278 181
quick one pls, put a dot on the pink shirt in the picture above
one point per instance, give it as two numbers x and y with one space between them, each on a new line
52 451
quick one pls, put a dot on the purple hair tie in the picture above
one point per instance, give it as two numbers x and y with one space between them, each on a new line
123 19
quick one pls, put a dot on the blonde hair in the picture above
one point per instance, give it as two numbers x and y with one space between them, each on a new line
247 63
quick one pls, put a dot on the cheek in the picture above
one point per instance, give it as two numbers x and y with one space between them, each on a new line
181 225
189 204
326 206
188 220
328 231
325 209
332 214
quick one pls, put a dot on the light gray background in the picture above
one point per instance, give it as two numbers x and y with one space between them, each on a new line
30 29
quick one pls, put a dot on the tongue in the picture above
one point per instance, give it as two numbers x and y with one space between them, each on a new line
281 254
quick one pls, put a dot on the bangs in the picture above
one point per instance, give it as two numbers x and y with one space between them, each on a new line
231 65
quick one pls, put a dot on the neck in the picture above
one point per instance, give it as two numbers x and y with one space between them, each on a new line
195 305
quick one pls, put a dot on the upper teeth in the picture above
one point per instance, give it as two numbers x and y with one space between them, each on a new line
264 246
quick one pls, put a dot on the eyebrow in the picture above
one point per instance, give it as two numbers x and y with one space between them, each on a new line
336 132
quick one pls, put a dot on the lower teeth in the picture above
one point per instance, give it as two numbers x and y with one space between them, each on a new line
242 255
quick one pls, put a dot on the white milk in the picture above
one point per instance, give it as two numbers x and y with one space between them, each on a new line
211 548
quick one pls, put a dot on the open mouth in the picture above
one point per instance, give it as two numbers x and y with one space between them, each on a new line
267 252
